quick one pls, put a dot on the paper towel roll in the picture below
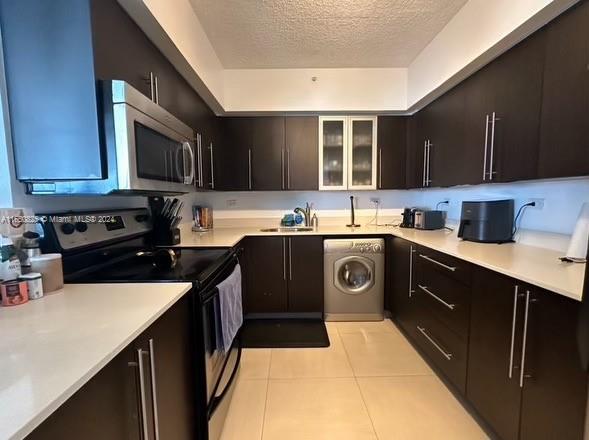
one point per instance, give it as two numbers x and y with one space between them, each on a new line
577 250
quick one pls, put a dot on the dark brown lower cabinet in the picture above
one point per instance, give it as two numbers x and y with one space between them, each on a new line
401 262
109 406
525 376
305 281
284 275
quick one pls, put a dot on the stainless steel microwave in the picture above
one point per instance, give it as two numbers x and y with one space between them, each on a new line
148 150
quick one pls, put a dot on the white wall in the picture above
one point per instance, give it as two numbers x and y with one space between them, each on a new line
291 90
562 200
479 32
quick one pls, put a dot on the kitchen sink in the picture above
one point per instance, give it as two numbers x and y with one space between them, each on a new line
288 229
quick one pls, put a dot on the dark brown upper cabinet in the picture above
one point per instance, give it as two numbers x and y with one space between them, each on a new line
564 133
417 149
232 160
268 154
301 160
502 115
392 152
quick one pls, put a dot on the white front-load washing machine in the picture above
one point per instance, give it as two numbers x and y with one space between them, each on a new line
354 279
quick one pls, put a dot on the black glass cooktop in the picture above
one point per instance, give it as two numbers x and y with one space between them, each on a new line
193 265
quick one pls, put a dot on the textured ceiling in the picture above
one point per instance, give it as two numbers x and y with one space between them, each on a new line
322 33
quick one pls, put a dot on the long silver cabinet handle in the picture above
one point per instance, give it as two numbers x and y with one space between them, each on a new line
444 353
411 252
157 91
282 167
201 172
249 167
284 258
380 168
287 169
289 258
142 402
429 150
445 266
486 147
516 296
154 389
524 341
212 167
152 86
491 157
424 163
436 297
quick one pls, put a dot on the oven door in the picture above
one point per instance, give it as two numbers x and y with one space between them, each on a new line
151 156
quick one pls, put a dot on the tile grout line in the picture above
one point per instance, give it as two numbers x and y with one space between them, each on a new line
267 391
359 388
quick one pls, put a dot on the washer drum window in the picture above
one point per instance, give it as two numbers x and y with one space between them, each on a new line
354 275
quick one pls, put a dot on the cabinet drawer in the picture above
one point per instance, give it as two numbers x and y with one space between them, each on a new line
446 350
444 297
455 268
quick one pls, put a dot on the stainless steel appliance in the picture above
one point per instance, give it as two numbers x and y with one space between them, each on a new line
487 221
118 252
429 220
354 279
148 150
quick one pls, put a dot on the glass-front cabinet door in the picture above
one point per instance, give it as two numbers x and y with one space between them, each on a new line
333 158
347 152
362 153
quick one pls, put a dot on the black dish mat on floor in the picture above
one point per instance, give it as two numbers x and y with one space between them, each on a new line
284 333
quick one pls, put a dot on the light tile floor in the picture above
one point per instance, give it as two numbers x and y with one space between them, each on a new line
369 384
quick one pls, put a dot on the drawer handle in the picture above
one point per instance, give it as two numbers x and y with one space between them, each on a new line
444 353
436 297
445 266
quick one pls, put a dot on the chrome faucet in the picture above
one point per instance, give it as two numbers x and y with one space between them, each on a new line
306 213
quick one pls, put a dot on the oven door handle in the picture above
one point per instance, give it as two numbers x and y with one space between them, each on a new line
216 400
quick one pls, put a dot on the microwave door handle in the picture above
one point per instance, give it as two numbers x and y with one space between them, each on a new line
186 147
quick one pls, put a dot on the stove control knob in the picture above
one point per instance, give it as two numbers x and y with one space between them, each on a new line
377 248
140 218
81 226
68 228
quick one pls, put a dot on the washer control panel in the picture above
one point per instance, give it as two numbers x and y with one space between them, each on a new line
355 246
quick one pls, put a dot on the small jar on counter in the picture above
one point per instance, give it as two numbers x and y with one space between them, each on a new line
34 282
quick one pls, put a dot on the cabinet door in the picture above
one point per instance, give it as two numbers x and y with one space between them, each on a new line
169 353
106 407
414 176
392 152
362 155
564 132
333 158
479 92
495 339
517 106
266 275
555 380
446 135
302 153
268 154
305 285
402 261
232 158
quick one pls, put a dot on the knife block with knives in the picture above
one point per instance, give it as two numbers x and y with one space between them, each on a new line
165 215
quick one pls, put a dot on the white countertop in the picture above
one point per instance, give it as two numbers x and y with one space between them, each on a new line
52 346
538 266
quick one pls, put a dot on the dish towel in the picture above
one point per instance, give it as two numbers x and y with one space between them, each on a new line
230 307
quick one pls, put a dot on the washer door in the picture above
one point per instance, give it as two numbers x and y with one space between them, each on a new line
354 275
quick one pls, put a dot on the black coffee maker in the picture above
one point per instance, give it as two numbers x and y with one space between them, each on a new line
408 218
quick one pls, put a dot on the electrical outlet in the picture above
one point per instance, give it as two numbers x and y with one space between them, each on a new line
375 200
232 203
539 203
